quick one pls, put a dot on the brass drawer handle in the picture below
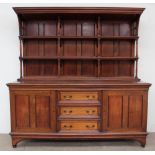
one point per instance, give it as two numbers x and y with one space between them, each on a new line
90 126
68 126
90 97
67 97
90 112
68 112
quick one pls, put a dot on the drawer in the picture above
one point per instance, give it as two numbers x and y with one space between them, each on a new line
78 95
79 125
79 111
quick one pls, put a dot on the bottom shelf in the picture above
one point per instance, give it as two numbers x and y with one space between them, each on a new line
71 79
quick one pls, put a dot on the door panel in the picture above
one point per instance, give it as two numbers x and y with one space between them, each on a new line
33 111
124 110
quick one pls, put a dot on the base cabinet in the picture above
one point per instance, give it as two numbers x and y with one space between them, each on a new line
52 113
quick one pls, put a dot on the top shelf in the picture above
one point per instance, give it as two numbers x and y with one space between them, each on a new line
82 37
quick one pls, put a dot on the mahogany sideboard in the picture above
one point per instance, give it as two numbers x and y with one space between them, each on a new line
78 75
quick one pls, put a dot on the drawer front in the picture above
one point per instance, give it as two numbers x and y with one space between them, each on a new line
79 111
79 95
79 125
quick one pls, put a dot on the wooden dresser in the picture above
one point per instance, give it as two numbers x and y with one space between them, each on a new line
78 75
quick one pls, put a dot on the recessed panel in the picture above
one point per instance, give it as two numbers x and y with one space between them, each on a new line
50 68
50 28
107 68
115 107
69 28
125 49
32 28
88 28
135 111
88 68
41 28
31 48
125 68
125 29
69 68
107 29
107 48
87 48
22 111
50 48
32 68
42 105
69 48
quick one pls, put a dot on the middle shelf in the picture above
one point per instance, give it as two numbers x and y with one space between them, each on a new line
81 37
76 58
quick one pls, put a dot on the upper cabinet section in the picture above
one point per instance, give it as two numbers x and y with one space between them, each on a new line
78 43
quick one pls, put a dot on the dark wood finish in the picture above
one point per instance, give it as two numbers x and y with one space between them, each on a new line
78 75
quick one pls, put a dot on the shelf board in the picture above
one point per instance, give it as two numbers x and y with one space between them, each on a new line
82 37
71 79
76 58
79 37
38 37
38 58
118 58
120 37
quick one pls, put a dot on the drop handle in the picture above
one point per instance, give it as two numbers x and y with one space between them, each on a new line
67 97
90 112
90 126
68 112
68 126
90 97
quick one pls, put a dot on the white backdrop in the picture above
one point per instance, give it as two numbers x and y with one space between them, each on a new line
9 54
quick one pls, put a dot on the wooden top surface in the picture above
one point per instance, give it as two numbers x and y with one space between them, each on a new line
91 10
79 83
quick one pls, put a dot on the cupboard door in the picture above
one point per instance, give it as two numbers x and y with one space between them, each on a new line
33 111
124 110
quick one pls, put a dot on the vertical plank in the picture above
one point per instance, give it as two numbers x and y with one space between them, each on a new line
21 51
32 112
53 112
78 29
125 112
116 53
98 45
59 45
104 111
